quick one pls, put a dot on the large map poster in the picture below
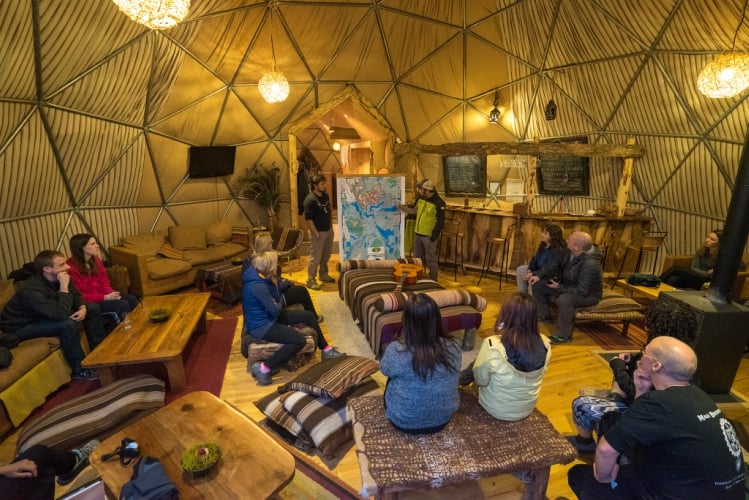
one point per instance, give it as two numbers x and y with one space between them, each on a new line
370 226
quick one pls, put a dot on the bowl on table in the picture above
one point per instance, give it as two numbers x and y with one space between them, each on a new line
199 459
159 315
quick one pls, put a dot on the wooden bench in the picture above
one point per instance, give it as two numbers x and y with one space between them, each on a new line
259 350
613 308
473 445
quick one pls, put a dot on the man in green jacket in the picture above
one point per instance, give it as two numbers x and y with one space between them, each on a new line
430 219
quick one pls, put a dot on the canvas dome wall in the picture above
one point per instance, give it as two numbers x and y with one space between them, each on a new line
98 112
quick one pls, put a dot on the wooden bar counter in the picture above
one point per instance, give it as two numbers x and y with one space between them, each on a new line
611 234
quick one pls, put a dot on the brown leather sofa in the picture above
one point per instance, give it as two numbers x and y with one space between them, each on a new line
160 262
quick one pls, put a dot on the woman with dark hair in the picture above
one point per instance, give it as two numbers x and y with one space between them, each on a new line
422 367
595 413
703 264
90 278
548 261
511 365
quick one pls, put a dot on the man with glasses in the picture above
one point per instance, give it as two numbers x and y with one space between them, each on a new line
683 446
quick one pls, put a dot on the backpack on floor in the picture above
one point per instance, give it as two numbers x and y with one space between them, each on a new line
649 280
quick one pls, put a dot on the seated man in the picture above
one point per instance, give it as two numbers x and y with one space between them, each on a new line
683 445
580 285
49 305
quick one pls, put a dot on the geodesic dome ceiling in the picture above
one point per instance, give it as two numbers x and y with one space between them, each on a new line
98 112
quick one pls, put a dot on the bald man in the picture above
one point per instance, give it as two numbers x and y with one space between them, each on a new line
684 447
580 285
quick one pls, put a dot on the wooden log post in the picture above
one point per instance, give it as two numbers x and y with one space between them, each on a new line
625 182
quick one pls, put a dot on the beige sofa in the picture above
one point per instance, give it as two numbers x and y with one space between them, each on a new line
158 263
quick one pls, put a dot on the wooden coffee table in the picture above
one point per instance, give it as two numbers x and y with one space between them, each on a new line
253 465
647 291
143 341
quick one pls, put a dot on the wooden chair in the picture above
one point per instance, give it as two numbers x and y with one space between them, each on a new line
451 233
493 246
650 242
287 242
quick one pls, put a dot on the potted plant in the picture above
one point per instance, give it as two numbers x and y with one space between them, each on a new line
262 185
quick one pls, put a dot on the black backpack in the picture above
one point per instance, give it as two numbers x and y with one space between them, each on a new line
149 481
649 280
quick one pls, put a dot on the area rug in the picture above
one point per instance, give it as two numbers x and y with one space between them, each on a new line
341 331
205 360
609 337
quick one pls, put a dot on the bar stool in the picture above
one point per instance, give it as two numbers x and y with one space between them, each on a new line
651 242
493 245
451 232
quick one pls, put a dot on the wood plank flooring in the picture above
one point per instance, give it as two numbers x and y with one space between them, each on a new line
572 366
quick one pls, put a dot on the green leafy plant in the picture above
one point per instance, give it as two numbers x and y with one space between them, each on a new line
262 185
200 457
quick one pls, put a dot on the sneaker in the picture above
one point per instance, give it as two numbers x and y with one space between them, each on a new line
312 285
320 319
262 378
81 461
84 374
582 448
327 279
331 353
556 339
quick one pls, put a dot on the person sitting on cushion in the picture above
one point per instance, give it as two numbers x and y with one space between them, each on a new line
265 317
662 319
90 278
511 365
548 261
422 367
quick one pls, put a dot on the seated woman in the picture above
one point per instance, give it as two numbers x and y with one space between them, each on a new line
90 278
266 319
511 365
702 267
422 367
548 261
591 412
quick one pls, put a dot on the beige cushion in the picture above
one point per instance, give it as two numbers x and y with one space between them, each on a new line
612 302
25 356
144 244
168 251
160 268
204 256
187 237
219 232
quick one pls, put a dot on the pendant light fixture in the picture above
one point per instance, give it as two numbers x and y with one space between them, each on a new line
273 85
728 74
494 113
155 14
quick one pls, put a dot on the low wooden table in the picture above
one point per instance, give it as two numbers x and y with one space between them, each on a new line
647 291
143 341
253 465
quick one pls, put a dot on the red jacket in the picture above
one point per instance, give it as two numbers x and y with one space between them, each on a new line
94 286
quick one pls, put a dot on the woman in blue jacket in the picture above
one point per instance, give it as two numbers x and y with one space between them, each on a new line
548 261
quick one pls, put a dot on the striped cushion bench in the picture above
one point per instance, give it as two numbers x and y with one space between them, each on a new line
613 308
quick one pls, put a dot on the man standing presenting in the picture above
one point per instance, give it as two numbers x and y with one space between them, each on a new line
581 285
683 446
49 305
430 219
317 215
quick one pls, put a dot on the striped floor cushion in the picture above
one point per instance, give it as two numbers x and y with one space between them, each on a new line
94 415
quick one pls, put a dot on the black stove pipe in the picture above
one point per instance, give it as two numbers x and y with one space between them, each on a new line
735 232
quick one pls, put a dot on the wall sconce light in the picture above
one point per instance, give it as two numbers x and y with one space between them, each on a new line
494 113
551 110
336 146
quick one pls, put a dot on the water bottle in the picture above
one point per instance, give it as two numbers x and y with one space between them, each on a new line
126 324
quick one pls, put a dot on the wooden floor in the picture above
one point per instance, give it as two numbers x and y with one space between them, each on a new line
572 366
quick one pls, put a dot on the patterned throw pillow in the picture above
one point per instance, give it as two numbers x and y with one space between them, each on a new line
332 377
395 301
170 252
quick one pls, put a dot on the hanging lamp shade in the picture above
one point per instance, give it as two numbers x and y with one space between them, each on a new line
726 76
273 86
155 14
494 113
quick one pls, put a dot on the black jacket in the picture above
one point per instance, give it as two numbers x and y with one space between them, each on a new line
583 275
37 300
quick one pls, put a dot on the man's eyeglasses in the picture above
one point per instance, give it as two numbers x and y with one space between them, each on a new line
644 352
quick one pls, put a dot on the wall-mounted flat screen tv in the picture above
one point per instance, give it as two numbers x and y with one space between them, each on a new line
211 161
465 175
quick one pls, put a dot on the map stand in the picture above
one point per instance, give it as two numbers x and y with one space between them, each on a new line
494 194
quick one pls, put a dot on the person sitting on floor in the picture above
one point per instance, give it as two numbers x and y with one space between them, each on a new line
90 278
548 261
580 285
49 305
511 365
266 318
663 318
31 475
422 367
684 446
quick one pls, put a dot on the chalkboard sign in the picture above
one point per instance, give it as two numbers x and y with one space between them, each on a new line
464 175
563 175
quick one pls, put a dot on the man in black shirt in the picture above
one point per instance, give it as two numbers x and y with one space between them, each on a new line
317 215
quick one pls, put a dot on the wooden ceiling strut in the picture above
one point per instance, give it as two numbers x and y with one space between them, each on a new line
523 148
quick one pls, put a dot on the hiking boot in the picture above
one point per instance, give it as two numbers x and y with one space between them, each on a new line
327 279
81 461
84 374
556 339
312 285
262 378
331 353
582 448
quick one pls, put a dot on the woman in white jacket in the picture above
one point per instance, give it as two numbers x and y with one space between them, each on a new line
511 364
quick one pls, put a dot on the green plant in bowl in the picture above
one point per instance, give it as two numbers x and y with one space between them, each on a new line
237 261
159 315
198 459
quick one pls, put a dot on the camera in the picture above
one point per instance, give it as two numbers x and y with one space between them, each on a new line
129 448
